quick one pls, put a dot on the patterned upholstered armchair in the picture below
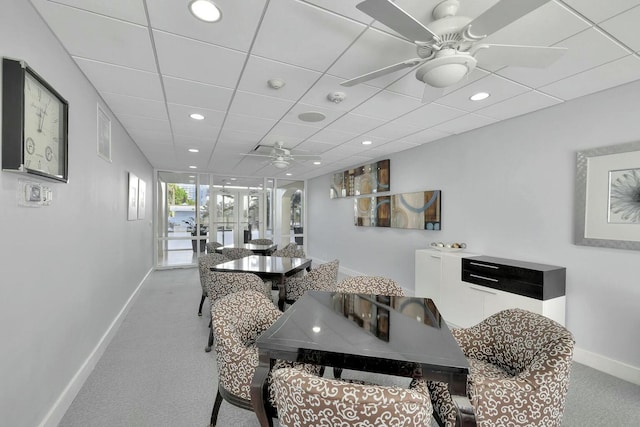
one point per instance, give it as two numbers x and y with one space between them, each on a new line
211 247
238 319
205 262
307 400
322 278
236 253
223 284
261 241
291 251
370 285
520 364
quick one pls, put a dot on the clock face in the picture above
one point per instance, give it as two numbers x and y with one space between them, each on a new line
43 129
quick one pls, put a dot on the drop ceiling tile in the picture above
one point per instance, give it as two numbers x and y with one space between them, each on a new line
93 36
424 136
256 125
288 24
133 123
235 30
394 147
127 10
151 137
544 26
123 80
614 73
387 105
290 133
598 11
354 123
259 70
498 88
230 137
464 123
198 61
205 145
518 105
199 131
132 106
251 104
355 95
393 130
196 94
179 114
586 50
429 115
333 137
624 27
364 56
314 147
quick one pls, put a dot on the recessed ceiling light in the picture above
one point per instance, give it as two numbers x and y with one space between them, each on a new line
196 116
205 10
233 179
288 174
311 116
479 96
194 150
317 163
367 142
193 167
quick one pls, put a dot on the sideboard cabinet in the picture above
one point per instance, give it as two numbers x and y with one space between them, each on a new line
468 287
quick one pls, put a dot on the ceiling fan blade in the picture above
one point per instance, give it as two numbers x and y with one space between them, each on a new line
394 17
306 157
500 15
256 155
382 72
519 56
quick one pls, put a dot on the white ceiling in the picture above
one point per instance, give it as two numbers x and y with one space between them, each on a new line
154 64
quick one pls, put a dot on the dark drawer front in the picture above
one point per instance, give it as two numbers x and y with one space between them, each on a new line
532 280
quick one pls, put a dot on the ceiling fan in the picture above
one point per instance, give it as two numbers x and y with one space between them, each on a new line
451 46
281 157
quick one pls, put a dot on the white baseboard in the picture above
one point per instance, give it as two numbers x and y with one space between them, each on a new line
609 366
57 411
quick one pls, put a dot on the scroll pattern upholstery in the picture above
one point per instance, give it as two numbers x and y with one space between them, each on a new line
291 251
211 247
261 241
205 262
370 285
519 371
236 253
223 284
308 400
322 278
238 320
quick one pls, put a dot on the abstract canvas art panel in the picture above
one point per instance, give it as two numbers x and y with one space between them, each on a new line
420 210
365 179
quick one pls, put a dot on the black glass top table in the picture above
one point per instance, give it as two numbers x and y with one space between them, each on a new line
267 267
256 249
401 336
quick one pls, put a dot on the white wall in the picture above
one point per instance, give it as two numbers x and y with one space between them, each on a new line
508 191
66 270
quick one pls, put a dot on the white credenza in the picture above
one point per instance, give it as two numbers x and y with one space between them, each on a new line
485 286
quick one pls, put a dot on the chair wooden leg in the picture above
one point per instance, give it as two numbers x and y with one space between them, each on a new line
216 409
200 307
210 342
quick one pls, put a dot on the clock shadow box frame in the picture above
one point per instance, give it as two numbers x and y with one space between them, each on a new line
13 109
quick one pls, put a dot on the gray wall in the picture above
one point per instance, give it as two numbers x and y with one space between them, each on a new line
68 269
508 191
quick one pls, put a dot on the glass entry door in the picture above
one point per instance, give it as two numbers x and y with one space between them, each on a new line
237 216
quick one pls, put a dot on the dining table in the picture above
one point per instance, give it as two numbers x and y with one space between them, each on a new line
255 248
268 268
399 336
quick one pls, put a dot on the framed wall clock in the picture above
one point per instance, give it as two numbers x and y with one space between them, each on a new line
34 124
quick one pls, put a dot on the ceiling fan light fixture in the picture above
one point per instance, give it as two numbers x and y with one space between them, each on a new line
205 10
280 163
446 69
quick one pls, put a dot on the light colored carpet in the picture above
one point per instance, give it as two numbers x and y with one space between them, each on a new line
155 371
